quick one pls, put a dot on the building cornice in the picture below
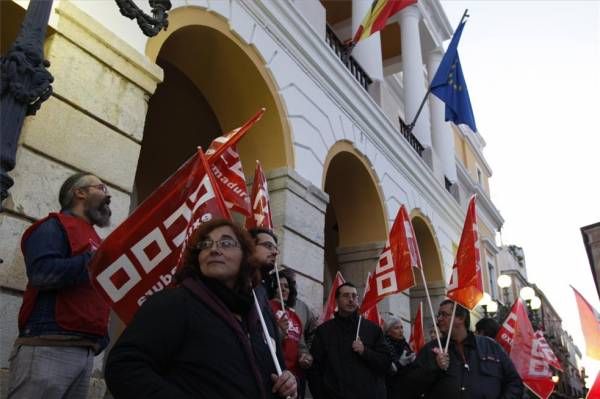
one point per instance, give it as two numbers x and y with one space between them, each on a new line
486 204
289 28
436 21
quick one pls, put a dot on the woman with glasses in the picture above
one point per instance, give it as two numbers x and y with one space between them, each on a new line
202 338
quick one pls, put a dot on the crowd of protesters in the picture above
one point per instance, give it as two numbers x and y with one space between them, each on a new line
231 327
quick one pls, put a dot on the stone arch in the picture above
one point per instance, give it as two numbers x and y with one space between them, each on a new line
355 219
213 83
432 267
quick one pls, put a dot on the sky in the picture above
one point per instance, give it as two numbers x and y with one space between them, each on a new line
533 74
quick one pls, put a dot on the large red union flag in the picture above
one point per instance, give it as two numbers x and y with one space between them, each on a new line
417 335
590 325
261 208
227 167
141 256
393 272
372 313
518 339
594 392
231 180
466 284
546 352
330 305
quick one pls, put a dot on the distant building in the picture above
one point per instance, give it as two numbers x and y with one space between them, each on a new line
591 240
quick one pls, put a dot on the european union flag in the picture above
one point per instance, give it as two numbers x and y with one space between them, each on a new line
449 85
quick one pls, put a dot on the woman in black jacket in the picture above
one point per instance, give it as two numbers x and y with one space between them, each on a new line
201 339
402 357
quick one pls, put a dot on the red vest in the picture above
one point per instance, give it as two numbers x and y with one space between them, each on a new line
78 308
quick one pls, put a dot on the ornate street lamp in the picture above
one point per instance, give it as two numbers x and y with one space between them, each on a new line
150 25
484 302
492 308
24 85
504 282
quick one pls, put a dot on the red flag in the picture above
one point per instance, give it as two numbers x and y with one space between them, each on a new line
377 16
466 284
590 325
374 316
594 392
230 177
261 211
393 272
518 339
330 305
546 352
372 313
140 256
417 336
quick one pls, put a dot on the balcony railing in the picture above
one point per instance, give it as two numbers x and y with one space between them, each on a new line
340 50
412 140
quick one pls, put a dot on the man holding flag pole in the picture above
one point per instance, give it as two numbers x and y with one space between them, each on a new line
344 366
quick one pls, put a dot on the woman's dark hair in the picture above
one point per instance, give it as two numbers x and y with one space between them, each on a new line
290 276
249 275
488 327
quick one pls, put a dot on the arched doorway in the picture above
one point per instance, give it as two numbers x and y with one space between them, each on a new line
213 83
432 268
355 219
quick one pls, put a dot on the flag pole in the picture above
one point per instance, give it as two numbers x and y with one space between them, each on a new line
450 329
437 332
358 328
279 287
268 339
411 125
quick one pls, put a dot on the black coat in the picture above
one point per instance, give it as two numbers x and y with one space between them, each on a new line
396 380
184 343
488 372
339 372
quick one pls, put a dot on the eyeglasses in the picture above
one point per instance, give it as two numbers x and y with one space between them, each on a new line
442 315
102 187
269 245
223 243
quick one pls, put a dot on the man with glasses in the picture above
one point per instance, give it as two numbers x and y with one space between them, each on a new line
474 367
63 321
346 366
265 254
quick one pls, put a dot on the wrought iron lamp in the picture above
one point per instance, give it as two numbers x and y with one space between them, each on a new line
150 25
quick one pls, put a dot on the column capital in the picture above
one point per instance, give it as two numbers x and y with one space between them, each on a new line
411 11
435 56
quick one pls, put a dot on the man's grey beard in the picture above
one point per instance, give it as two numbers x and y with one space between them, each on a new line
99 215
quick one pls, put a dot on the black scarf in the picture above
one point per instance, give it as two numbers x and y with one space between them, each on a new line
237 302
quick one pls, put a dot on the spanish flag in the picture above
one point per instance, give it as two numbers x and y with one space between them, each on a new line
376 18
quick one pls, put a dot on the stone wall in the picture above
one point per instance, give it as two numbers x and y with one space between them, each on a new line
93 122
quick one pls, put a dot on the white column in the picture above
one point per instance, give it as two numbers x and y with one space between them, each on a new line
413 73
368 51
442 136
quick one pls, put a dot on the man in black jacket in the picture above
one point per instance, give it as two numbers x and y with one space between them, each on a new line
475 367
343 366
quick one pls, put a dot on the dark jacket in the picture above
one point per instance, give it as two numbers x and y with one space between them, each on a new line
396 380
339 372
184 343
488 372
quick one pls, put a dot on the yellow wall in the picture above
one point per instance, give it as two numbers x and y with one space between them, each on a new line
233 79
355 196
